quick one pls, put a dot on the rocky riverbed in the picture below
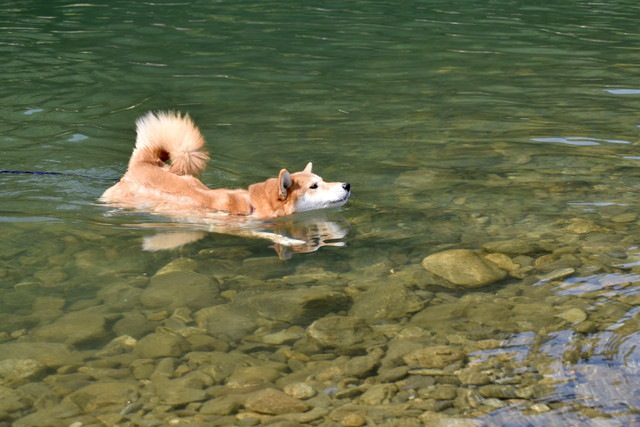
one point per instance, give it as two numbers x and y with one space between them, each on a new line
452 337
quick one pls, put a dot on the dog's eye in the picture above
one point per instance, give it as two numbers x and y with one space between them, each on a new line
314 186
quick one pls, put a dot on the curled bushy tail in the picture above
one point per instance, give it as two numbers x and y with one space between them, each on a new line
169 136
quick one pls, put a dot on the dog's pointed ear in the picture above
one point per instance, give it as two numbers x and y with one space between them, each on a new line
308 167
284 183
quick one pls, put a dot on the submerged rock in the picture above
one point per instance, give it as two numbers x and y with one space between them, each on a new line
463 267
120 296
498 391
161 345
346 334
274 402
225 405
560 273
103 397
14 372
74 328
513 247
573 315
378 394
583 226
135 324
177 393
352 367
251 377
298 305
299 390
437 356
386 301
52 355
474 375
219 365
503 262
10 401
232 320
174 289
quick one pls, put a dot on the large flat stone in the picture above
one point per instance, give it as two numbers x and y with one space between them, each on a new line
463 267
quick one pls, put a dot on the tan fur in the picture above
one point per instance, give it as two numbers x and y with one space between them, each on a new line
151 183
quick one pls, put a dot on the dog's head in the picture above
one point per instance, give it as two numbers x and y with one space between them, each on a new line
296 192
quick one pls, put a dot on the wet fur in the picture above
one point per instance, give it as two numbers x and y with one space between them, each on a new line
170 152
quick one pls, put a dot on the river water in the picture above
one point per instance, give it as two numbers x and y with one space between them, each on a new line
509 129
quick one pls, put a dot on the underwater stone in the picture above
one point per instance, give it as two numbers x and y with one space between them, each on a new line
299 390
474 376
583 226
232 320
103 396
281 337
573 315
437 356
161 345
586 327
498 391
560 273
513 247
502 261
14 372
219 365
386 301
346 334
225 405
540 407
177 393
378 394
52 355
352 367
135 324
175 289
274 402
179 264
118 345
625 217
298 305
120 296
10 401
353 420
301 418
439 392
251 377
463 267
73 328
390 375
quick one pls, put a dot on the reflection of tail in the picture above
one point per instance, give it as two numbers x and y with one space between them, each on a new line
163 241
173 240
169 136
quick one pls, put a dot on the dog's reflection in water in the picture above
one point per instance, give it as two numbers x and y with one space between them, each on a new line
314 232
303 233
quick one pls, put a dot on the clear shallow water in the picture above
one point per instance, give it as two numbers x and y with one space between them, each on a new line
456 124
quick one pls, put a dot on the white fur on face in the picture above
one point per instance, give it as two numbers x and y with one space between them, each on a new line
324 195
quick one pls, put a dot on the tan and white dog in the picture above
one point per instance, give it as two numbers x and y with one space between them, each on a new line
169 153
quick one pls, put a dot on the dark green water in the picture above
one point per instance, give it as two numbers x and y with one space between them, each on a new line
456 123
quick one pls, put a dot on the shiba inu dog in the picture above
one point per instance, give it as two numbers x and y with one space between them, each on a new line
169 153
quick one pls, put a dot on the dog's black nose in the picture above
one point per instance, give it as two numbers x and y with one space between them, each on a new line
346 186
